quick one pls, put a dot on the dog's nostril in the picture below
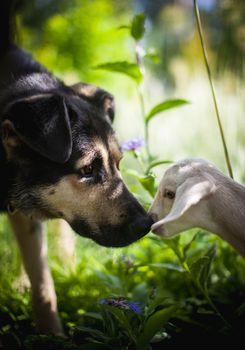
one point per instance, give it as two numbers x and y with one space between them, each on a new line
123 216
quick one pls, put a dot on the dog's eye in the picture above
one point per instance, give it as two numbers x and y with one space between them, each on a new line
86 171
169 194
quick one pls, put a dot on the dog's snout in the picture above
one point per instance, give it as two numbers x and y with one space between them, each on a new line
142 224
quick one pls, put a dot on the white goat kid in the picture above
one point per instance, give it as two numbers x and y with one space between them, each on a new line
194 193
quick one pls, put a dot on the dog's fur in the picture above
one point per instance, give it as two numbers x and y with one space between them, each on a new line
59 158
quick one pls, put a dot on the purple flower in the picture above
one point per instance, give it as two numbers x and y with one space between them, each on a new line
133 144
128 260
135 307
123 304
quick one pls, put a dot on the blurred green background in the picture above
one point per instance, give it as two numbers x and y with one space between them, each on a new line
71 38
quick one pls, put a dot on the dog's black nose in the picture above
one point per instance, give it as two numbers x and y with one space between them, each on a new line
141 226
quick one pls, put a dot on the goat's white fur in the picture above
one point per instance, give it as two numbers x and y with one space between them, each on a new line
205 198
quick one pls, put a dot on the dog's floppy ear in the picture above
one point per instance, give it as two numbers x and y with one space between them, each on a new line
97 96
42 123
188 194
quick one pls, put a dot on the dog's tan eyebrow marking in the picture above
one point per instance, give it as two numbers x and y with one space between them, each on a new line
86 159
115 150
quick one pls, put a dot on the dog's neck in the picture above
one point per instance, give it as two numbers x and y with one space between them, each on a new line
16 63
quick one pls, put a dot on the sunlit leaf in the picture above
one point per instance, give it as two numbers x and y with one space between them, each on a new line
168 266
161 107
176 247
159 162
148 182
133 173
124 26
138 26
153 57
188 245
154 324
124 67
200 269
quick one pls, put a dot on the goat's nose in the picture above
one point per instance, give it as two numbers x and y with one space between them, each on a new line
154 217
158 229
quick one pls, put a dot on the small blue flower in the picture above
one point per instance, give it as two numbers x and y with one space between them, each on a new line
135 307
123 304
133 144
128 260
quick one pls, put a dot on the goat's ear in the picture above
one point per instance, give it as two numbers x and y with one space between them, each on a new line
42 123
97 96
188 194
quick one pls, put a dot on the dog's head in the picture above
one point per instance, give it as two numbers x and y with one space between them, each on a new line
63 160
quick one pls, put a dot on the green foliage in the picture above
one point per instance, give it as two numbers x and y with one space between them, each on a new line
138 26
73 40
164 106
124 67
153 324
200 269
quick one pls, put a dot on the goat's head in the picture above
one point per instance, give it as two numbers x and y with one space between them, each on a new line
182 197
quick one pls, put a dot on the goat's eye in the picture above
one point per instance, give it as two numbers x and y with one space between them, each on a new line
86 171
169 194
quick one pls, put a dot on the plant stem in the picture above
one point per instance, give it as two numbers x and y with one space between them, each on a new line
139 61
209 300
204 292
205 56
139 159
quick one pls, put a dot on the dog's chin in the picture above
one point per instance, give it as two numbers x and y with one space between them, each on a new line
112 236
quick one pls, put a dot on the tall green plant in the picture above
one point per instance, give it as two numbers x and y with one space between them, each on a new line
218 117
136 71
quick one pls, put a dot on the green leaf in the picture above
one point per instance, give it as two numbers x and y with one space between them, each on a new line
174 244
95 333
122 319
161 107
138 26
153 324
167 266
155 58
200 269
159 162
124 26
124 67
148 182
188 245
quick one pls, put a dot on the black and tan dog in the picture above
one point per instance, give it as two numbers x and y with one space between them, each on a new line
59 158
